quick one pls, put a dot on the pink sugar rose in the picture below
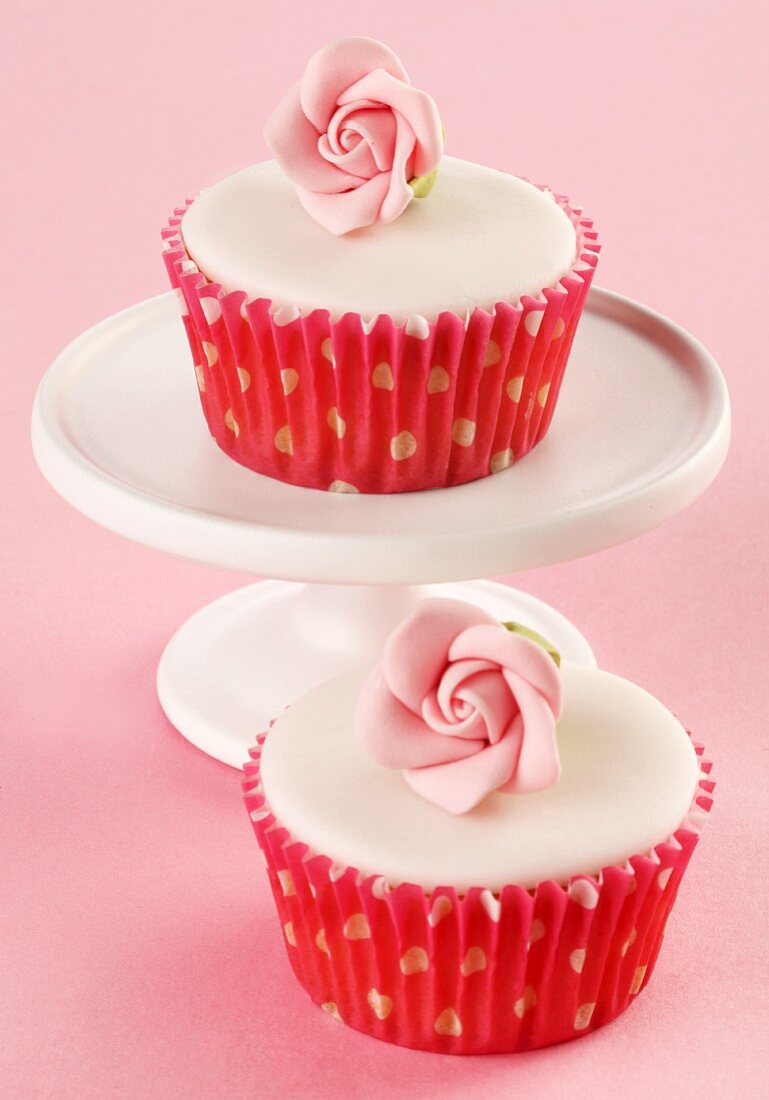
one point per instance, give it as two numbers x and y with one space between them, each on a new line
463 706
353 133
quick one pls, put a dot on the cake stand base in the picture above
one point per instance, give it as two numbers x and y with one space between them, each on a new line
233 667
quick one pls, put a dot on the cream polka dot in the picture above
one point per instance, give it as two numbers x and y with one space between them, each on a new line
320 942
210 352
335 422
182 302
542 395
200 377
327 351
341 487
448 1023
438 380
525 1002
244 378
583 1016
629 941
441 908
283 440
336 871
357 927
663 878
415 961
289 380
584 893
402 446
380 1003
288 928
287 885
501 460
473 962
536 932
559 329
492 905
231 423
637 981
212 309
244 309
577 960
533 321
382 377
492 354
514 388
463 431
332 1010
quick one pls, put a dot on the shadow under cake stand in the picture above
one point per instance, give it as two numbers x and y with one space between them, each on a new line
641 429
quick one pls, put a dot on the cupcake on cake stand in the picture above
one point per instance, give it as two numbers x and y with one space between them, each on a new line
642 428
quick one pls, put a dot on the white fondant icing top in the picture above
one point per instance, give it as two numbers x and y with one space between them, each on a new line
479 238
628 780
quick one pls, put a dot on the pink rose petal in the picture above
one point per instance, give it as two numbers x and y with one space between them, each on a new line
357 160
460 785
399 194
454 677
516 652
293 141
350 210
376 126
538 764
332 70
417 651
488 693
415 106
396 736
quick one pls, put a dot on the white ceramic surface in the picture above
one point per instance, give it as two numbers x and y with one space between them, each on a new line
641 429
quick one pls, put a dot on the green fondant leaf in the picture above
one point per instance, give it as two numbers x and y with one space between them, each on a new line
527 632
423 185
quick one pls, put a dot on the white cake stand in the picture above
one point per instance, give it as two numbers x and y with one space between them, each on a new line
641 429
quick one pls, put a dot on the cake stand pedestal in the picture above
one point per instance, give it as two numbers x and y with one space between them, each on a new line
641 429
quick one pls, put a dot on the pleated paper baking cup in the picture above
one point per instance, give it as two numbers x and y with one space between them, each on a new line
357 405
476 973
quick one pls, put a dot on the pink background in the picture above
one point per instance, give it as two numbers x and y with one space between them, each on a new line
140 955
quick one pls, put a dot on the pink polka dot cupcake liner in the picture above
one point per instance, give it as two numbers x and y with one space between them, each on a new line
478 973
369 406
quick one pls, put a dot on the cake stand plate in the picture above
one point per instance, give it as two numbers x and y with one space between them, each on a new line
642 428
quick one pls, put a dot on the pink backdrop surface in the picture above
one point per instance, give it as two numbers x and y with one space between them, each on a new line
140 954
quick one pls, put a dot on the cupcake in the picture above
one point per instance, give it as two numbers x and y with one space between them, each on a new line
366 314
472 849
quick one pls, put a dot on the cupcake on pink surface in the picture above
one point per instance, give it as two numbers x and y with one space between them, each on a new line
471 848
365 313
